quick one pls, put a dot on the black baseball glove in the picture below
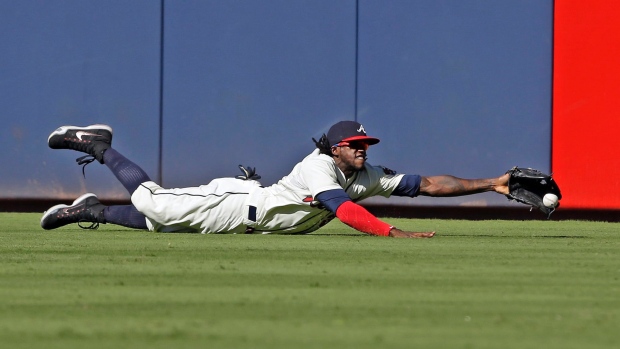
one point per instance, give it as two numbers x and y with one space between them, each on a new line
529 186
249 173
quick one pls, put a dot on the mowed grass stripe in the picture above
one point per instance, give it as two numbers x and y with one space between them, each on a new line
477 284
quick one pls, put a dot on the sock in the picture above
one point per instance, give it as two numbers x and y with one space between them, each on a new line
129 174
125 215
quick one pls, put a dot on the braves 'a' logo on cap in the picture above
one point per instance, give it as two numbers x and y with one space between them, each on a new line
361 129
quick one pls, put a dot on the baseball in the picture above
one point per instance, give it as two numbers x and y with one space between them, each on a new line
550 200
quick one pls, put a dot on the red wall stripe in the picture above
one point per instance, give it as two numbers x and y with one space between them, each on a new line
586 98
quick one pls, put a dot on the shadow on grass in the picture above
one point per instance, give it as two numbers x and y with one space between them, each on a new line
515 236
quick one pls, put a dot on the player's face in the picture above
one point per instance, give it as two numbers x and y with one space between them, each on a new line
350 156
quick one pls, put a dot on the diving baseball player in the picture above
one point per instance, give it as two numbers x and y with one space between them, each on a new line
326 184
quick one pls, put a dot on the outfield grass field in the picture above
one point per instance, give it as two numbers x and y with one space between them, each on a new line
477 284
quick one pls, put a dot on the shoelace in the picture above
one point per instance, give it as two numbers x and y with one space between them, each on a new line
85 160
92 226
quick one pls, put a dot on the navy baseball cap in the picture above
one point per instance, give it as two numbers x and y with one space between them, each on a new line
349 131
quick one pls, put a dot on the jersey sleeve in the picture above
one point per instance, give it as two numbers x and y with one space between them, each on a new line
409 185
320 174
332 199
380 181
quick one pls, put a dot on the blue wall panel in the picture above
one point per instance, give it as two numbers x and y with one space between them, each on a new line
458 87
75 62
251 82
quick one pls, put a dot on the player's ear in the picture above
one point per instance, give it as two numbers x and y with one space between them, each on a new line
335 151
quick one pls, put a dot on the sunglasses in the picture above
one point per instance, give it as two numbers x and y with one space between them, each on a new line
358 145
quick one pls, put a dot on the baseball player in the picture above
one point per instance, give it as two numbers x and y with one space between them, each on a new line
326 184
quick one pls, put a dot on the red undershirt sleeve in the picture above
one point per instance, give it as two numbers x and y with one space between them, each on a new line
359 218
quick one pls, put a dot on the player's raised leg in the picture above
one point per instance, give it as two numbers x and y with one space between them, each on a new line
127 172
96 141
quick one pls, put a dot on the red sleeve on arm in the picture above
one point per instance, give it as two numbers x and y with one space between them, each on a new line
359 218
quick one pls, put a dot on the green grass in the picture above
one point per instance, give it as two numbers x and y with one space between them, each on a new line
489 284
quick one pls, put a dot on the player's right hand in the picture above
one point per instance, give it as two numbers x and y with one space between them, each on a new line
397 233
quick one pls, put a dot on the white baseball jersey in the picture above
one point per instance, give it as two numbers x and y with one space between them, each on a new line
229 205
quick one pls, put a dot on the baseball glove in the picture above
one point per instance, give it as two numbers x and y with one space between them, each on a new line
529 186
249 173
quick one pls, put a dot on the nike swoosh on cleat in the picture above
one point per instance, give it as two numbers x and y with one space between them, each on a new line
79 134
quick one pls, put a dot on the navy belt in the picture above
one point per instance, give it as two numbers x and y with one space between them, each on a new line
252 217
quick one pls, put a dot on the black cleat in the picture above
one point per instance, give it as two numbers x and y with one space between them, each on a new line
85 209
93 140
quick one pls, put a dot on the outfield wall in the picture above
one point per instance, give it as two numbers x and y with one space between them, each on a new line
194 88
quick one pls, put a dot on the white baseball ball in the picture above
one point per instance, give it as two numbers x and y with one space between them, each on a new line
550 200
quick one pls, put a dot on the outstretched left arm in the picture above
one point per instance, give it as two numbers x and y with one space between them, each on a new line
447 185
